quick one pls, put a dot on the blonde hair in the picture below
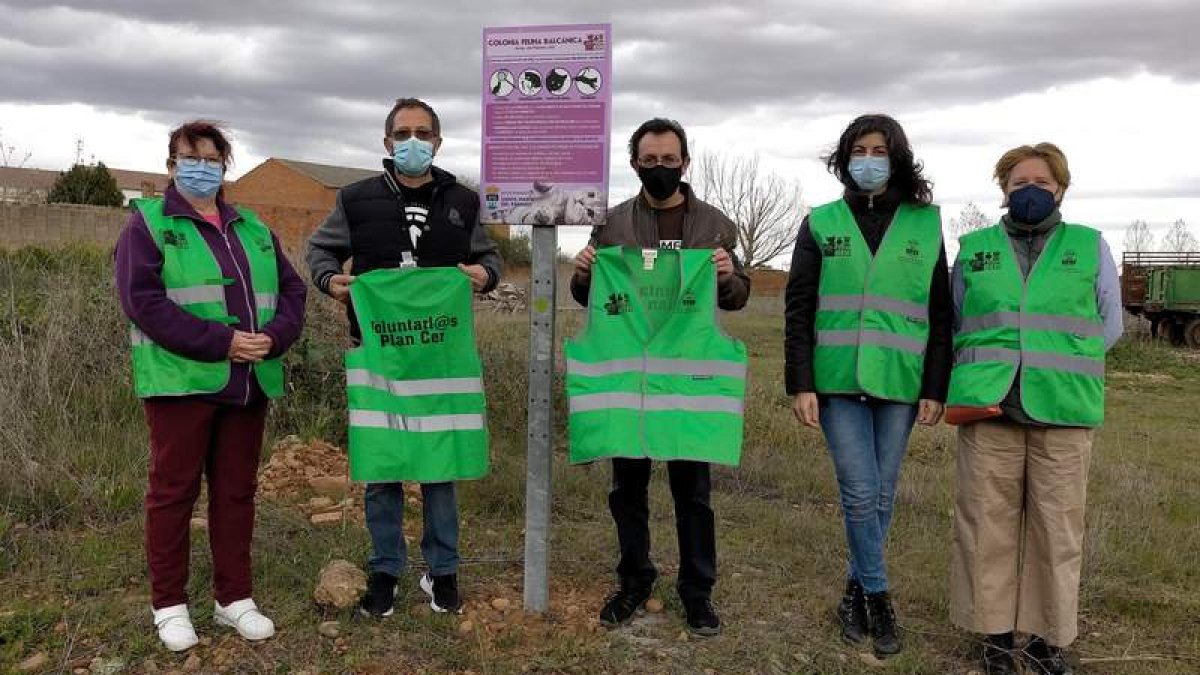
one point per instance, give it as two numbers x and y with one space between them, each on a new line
1049 152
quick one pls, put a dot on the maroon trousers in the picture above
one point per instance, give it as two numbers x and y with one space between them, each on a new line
190 438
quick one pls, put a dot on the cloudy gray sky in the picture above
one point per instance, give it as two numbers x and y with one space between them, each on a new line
1115 83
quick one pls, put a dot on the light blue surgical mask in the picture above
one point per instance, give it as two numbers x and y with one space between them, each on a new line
412 157
198 178
870 173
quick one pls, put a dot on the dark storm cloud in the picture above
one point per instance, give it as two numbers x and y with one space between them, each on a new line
313 79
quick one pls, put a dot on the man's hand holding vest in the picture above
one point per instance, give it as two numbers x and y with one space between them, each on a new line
724 264
249 347
478 274
584 261
339 287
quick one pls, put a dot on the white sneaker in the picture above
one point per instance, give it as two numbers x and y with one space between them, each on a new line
175 629
244 616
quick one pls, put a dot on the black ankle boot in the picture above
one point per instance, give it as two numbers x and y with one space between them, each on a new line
997 655
885 635
852 613
1044 658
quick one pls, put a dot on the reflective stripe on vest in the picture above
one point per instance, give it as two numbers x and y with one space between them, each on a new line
872 318
448 385
1044 328
427 424
415 385
725 404
193 279
651 375
694 367
191 295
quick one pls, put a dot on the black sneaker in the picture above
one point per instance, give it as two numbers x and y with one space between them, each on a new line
1044 658
702 618
443 592
997 655
885 636
623 604
852 613
380 596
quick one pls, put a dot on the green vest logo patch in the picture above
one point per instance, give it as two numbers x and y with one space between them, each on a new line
1069 259
836 247
912 252
985 261
618 303
174 238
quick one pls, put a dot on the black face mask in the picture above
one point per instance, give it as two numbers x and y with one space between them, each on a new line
660 181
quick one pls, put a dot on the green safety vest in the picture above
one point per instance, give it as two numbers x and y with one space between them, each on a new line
872 321
652 375
193 280
1047 327
415 386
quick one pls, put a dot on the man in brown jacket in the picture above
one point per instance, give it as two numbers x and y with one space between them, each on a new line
665 214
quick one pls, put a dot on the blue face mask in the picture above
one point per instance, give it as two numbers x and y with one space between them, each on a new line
1031 204
870 173
198 180
412 157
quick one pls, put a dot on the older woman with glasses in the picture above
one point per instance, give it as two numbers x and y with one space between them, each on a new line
213 304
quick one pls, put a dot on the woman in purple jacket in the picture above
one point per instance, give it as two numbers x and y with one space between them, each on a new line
213 304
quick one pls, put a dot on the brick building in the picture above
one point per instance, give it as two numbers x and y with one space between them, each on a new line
293 197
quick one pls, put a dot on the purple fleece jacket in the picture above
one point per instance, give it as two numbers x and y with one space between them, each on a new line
144 298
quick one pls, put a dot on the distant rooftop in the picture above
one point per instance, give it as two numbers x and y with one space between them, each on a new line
329 175
43 179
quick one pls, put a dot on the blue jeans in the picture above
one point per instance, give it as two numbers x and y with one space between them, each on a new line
867 439
385 522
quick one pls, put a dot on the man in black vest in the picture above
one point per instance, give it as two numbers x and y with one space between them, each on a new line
412 213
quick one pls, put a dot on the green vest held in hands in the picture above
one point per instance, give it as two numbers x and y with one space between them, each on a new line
872 321
193 280
1046 327
651 374
415 386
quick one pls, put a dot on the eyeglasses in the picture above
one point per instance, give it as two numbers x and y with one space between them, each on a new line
650 161
403 134
193 162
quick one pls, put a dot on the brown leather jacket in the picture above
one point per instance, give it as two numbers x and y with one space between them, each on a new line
633 223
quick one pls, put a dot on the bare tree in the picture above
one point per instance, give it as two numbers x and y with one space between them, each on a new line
10 156
1179 239
1138 237
971 218
766 207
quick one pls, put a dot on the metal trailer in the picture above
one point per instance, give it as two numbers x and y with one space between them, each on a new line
1164 288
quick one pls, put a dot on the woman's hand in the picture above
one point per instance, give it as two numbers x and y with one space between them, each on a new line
249 347
929 412
805 407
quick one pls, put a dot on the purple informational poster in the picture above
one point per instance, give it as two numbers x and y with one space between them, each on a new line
547 111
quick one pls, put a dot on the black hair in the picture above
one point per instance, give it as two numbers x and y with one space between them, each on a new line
658 125
401 104
906 171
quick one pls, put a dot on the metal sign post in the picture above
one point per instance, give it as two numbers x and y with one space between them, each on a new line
543 282
547 116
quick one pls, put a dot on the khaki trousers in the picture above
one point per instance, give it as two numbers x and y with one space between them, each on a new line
1018 529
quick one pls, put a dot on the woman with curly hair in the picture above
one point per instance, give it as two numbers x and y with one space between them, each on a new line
867 344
